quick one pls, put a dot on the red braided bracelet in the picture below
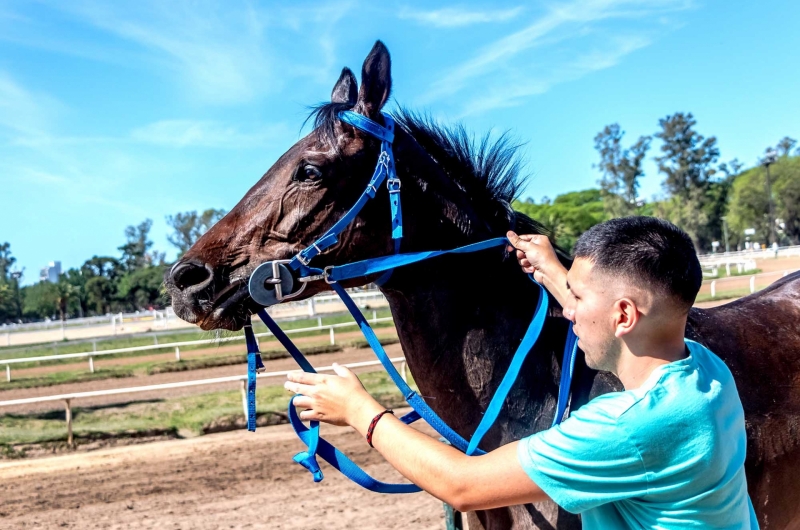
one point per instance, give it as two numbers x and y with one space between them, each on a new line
373 423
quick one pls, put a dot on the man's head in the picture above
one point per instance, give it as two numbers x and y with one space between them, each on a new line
633 282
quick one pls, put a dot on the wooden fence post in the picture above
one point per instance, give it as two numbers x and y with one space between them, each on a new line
752 284
714 289
8 373
333 340
177 353
91 364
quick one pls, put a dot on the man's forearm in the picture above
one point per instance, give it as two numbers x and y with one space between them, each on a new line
554 280
467 483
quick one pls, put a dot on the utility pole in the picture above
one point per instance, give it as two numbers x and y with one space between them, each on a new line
770 157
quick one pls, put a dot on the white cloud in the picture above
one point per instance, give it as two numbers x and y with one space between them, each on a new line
206 133
217 51
453 17
553 31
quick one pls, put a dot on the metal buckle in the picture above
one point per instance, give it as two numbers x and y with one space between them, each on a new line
276 280
392 182
304 260
326 273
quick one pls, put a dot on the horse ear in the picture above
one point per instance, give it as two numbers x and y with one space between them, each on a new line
376 81
346 88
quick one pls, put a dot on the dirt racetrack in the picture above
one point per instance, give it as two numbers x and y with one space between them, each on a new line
228 480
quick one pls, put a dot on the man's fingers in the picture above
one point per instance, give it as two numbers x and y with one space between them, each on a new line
309 415
342 371
303 402
298 388
523 242
305 378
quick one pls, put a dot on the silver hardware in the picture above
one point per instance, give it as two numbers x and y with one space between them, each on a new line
326 272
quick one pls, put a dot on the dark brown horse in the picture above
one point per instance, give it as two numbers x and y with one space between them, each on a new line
459 319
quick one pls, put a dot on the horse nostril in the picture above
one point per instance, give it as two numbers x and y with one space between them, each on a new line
190 276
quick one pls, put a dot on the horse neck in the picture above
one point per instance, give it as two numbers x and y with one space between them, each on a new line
459 319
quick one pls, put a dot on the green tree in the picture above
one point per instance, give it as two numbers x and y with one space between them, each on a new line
135 250
41 300
101 274
142 288
687 161
785 146
749 202
621 169
567 216
189 226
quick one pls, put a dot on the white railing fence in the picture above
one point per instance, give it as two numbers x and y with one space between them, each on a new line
90 355
68 398
752 280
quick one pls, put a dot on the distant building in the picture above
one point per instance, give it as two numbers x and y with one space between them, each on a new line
51 272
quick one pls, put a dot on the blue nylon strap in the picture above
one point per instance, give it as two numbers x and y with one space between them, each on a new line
525 346
567 370
359 121
413 399
375 265
296 354
338 460
254 364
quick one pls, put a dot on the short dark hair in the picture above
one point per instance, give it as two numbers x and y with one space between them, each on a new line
649 251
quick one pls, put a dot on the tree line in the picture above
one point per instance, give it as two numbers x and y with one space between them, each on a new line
712 201
128 282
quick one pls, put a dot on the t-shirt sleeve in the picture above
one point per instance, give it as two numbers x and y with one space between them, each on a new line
586 461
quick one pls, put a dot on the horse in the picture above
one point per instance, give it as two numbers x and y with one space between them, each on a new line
460 318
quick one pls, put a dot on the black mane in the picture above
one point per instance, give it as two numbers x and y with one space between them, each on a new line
489 171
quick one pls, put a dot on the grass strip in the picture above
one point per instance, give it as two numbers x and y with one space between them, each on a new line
61 378
188 415
228 360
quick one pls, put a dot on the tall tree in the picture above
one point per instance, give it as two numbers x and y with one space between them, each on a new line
621 169
785 146
687 161
6 262
134 251
189 226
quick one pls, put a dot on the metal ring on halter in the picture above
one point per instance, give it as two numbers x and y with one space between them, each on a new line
326 273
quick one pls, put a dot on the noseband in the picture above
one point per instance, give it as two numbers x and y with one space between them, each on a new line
274 282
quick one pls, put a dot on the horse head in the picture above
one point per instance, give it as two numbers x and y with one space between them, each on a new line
315 183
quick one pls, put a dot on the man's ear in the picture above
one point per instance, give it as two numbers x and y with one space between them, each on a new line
346 88
376 81
626 315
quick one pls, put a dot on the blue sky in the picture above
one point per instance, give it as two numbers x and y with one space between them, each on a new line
113 112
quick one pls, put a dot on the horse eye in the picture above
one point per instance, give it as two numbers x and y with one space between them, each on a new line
308 172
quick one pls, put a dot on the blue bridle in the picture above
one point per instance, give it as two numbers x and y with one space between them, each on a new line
277 274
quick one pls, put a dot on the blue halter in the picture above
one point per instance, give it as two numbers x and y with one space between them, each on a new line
277 274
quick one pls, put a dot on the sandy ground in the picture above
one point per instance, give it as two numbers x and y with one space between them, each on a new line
349 355
229 480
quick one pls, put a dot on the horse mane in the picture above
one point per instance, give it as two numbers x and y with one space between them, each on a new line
488 170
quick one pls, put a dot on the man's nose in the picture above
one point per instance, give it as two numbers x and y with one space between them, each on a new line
569 314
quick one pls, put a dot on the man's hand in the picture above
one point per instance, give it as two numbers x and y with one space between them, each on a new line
534 253
536 256
335 399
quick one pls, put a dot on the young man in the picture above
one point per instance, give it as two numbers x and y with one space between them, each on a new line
667 452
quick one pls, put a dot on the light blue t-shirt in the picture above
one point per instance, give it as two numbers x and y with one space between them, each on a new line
669 454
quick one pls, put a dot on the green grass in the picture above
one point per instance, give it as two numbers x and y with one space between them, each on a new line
60 378
190 414
147 340
721 273
228 360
